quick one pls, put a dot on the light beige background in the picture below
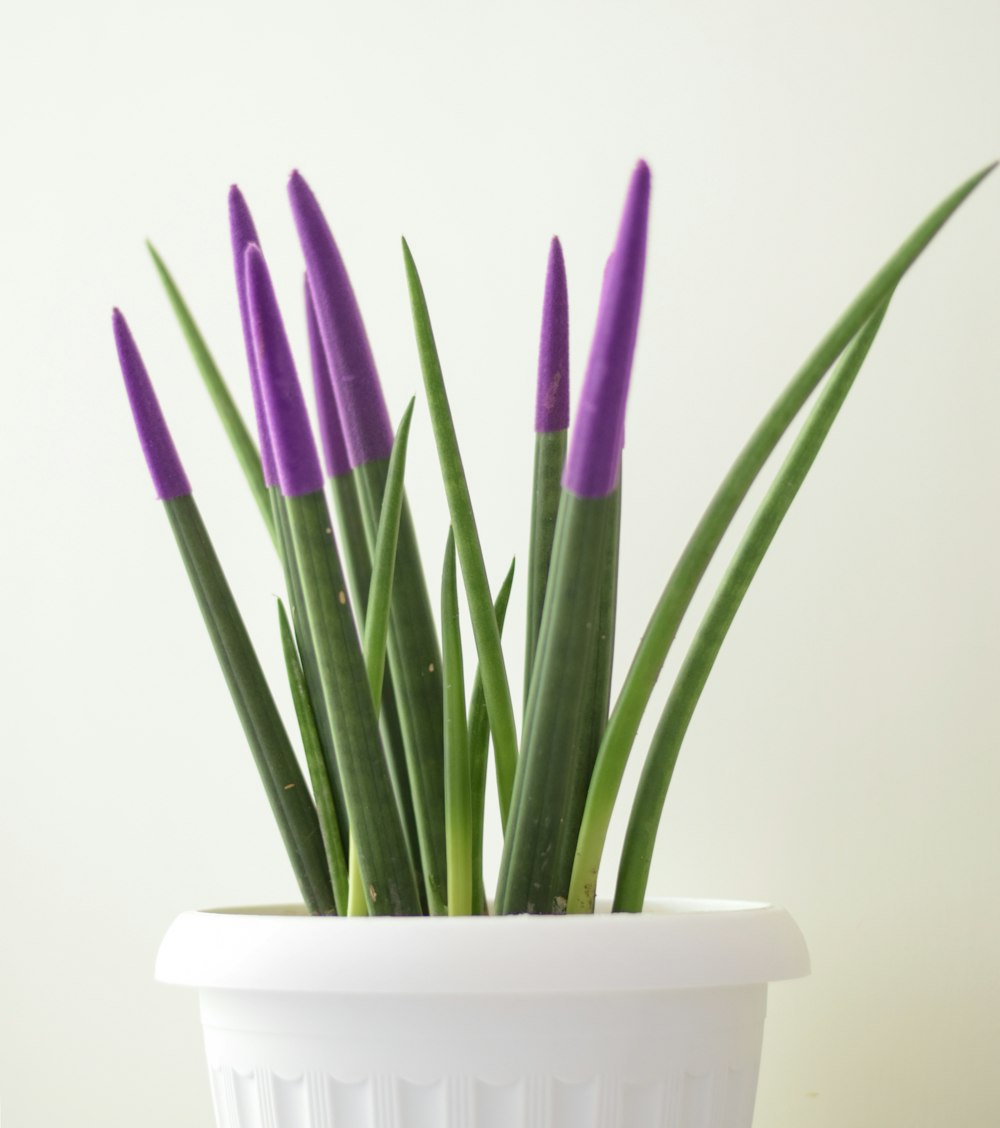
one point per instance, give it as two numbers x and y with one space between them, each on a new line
844 761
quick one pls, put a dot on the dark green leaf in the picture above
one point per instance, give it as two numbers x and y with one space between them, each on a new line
479 746
282 777
316 764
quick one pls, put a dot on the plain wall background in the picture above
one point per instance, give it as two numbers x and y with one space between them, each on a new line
844 759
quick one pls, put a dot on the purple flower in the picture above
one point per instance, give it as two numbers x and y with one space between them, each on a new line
287 419
331 433
243 233
552 397
363 415
595 448
157 445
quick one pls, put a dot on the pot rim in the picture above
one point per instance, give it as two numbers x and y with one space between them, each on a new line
674 943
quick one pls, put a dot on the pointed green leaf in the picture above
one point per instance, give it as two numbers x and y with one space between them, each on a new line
384 560
375 820
232 421
282 777
662 756
470 554
307 654
415 667
457 773
316 764
479 747
686 576
358 564
550 457
560 741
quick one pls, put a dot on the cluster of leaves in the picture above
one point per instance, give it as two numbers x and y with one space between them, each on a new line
391 821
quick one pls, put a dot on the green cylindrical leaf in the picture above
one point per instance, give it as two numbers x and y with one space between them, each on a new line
470 553
315 763
358 563
686 576
357 905
479 747
415 665
550 457
457 775
307 653
662 756
559 745
375 821
607 620
282 777
242 443
384 560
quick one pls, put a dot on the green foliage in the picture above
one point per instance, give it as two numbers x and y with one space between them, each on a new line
397 762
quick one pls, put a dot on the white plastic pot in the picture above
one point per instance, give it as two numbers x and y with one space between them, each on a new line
608 1021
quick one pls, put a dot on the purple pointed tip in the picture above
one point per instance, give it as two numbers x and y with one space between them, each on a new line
243 233
363 415
287 420
330 431
552 396
598 433
157 445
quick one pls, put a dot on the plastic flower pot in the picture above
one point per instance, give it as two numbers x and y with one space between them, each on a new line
631 1021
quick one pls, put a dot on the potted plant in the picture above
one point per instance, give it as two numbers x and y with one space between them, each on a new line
399 993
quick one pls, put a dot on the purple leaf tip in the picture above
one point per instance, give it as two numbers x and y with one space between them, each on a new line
287 420
331 433
363 415
552 397
243 233
595 448
157 445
